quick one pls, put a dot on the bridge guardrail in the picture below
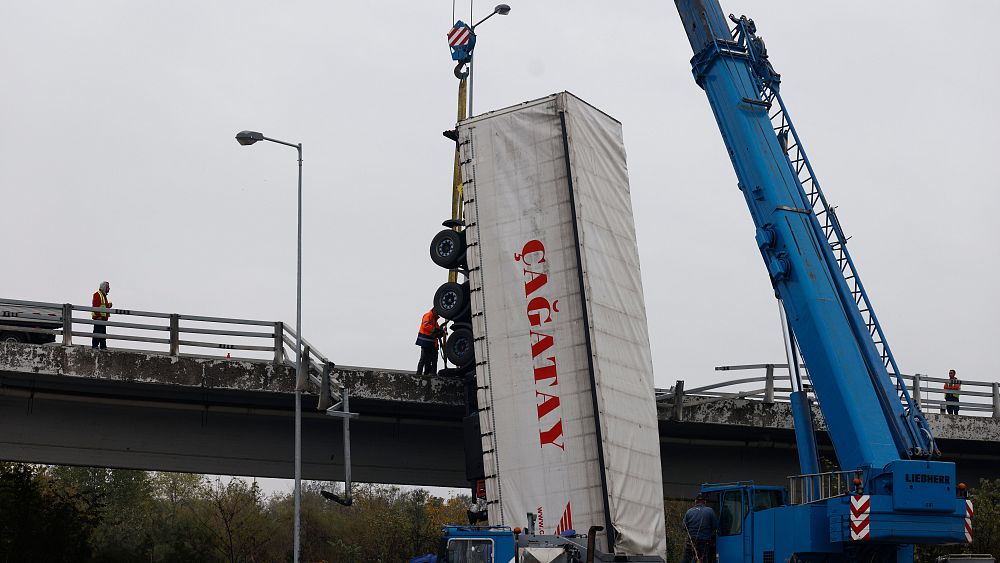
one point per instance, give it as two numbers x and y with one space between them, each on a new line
174 332
978 397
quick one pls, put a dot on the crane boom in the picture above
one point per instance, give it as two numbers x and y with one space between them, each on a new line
871 418
885 498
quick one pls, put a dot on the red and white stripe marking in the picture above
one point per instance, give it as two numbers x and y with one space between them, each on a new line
861 507
566 522
459 36
968 521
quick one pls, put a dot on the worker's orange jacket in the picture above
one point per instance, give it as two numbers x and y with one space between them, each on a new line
428 323
952 385
100 300
428 326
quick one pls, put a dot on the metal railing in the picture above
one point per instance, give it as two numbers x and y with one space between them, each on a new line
976 397
177 335
814 487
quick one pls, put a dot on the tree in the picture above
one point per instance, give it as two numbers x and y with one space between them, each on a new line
121 501
39 520
233 514
178 536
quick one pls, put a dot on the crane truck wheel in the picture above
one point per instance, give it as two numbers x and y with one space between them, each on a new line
459 347
448 248
451 300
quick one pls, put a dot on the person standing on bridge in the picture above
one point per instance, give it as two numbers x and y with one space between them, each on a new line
951 390
699 525
101 301
427 339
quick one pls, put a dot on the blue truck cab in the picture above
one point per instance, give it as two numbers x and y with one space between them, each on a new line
473 544
883 512
743 513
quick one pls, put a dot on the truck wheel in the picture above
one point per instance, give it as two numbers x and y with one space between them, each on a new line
15 337
448 248
451 300
459 347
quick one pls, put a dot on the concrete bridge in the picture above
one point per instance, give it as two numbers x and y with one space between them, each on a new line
117 408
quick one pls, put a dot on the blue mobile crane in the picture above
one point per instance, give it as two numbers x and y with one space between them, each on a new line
889 493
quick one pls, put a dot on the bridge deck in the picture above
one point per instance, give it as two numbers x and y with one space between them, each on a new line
118 408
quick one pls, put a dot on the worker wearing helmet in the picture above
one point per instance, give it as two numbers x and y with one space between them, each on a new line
101 301
427 339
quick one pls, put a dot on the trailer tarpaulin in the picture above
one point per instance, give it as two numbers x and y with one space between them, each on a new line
560 324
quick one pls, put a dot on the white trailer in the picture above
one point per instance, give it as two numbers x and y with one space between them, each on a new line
563 366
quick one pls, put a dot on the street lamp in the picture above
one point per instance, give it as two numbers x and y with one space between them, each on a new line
503 10
247 138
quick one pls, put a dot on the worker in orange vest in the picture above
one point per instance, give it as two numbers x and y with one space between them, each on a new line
101 301
427 339
954 385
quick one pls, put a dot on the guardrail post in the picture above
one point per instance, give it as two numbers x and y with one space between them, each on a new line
279 342
302 370
916 390
67 328
325 397
175 334
769 385
679 400
996 400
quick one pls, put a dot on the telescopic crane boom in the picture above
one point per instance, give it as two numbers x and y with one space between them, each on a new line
879 434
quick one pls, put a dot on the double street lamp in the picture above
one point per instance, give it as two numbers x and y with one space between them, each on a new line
246 138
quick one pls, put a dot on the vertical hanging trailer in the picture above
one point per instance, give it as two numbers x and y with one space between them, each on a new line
562 360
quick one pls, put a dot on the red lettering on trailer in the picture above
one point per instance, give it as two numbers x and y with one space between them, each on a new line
552 434
531 247
535 308
547 372
539 311
540 342
549 403
536 281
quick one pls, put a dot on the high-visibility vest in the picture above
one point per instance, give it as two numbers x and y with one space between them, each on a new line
953 385
104 304
428 323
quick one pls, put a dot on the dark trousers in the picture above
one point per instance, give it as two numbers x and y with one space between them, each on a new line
428 364
951 405
101 343
706 552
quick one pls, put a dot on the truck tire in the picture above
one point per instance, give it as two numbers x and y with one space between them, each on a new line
448 249
15 337
459 349
451 300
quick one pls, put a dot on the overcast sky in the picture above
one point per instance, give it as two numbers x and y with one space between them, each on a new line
117 161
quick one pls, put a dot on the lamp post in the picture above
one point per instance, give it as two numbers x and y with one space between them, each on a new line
503 10
246 138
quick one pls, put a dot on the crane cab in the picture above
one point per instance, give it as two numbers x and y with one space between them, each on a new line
745 510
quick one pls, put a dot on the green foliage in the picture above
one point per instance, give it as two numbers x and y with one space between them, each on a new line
40 521
985 526
676 538
83 514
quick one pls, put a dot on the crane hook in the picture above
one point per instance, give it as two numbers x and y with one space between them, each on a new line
460 72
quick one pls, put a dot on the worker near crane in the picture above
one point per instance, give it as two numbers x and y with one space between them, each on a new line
951 390
101 301
427 339
699 525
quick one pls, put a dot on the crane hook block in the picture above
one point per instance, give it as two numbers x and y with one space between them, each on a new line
461 72
461 40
